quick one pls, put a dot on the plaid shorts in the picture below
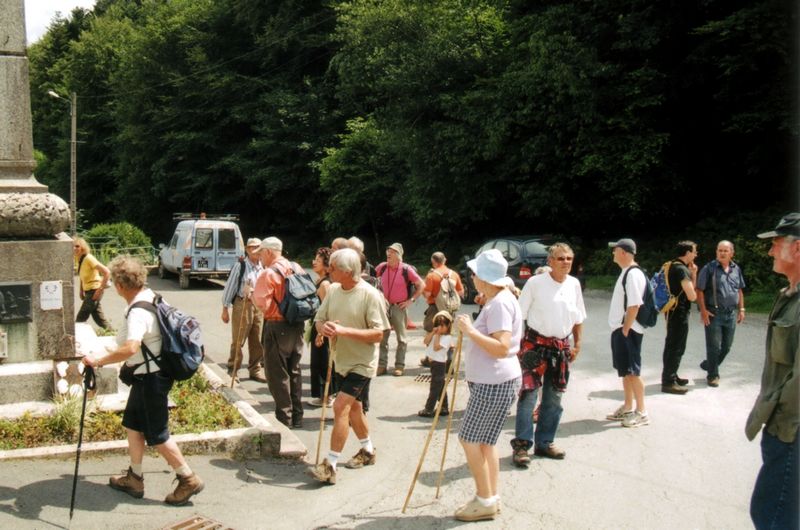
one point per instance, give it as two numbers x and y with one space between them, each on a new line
487 410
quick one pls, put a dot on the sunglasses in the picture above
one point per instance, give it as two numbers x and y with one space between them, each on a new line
564 258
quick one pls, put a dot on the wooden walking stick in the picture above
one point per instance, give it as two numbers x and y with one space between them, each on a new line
331 354
238 355
435 421
454 369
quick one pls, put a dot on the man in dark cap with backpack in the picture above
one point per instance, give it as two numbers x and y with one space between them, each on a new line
681 278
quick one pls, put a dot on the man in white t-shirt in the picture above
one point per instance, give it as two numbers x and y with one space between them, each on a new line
552 304
627 334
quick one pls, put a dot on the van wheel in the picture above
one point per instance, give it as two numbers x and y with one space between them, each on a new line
183 280
162 272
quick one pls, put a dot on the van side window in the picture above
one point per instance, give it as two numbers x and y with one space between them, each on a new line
204 238
174 242
226 239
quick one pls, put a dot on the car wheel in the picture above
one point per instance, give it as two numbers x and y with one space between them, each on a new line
162 272
183 280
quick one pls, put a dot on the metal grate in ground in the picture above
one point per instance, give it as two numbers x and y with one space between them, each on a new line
197 522
423 378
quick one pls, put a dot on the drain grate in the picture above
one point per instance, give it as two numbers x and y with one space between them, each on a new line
197 522
423 378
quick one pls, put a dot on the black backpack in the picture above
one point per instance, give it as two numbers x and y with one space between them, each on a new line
300 301
648 314
410 287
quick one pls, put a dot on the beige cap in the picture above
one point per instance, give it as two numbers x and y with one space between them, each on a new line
253 242
272 243
397 247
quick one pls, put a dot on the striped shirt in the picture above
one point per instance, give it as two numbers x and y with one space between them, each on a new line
234 286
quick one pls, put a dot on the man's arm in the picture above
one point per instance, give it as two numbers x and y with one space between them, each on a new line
103 270
741 314
332 328
128 348
577 331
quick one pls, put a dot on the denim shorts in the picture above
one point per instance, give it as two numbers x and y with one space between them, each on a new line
147 411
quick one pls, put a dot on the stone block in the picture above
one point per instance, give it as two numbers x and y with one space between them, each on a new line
12 27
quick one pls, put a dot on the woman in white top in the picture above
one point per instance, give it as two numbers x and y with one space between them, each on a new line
493 375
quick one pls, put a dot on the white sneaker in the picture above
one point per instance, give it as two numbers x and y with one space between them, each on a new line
317 402
637 419
618 415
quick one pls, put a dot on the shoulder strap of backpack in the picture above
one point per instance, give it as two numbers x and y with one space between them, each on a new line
149 306
242 271
625 290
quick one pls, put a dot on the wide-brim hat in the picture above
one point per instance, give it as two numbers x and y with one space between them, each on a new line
445 314
789 225
397 247
490 266
253 242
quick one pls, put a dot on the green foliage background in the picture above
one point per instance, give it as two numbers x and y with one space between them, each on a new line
433 122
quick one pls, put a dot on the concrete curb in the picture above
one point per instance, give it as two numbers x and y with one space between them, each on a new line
262 439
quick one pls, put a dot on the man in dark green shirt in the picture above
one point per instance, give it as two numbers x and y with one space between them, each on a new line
775 496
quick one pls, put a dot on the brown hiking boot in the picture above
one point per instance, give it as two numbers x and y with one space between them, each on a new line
362 458
130 483
521 457
323 472
187 486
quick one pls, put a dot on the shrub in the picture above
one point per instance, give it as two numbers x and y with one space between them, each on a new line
109 240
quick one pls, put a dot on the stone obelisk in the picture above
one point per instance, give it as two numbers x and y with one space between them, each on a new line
36 291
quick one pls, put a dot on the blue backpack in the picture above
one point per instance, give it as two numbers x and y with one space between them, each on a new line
664 300
300 301
182 351
648 314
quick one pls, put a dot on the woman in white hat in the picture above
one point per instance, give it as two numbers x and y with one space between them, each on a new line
494 377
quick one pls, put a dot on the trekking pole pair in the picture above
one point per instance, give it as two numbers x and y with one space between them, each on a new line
451 374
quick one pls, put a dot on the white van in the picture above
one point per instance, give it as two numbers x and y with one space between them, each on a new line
201 247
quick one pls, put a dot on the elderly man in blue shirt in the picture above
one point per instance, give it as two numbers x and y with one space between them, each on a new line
720 298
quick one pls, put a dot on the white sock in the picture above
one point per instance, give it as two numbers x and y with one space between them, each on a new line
137 469
366 444
333 458
495 499
486 502
183 470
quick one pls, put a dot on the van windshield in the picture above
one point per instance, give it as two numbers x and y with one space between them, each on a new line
227 239
204 238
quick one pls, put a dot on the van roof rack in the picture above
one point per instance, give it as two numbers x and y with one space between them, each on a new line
184 216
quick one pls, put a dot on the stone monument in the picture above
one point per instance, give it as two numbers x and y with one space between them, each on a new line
36 290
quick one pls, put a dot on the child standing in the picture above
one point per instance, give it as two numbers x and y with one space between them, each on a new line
439 343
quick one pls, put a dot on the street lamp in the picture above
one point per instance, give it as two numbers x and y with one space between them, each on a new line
73 113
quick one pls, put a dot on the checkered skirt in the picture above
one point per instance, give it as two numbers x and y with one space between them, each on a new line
487 410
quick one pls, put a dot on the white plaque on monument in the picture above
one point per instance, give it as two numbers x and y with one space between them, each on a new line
50 295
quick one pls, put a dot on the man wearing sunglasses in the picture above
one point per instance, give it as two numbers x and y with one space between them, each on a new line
552 305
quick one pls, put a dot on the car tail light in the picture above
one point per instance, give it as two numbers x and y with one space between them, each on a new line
187 262
525 272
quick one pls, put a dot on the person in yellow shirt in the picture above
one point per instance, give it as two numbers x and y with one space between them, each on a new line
93 280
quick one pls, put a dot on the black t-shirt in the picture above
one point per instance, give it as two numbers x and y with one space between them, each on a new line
677 273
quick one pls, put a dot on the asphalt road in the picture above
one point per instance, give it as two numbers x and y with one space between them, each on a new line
692 467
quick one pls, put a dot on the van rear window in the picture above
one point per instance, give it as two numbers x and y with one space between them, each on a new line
227 239
204 238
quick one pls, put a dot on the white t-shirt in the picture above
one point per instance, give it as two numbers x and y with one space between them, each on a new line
635 287
550 307
501 313
141 325
440 355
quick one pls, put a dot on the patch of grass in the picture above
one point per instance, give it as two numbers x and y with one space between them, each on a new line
602 282
198 408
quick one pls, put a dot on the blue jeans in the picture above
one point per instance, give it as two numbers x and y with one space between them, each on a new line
549 415
774 504
719 337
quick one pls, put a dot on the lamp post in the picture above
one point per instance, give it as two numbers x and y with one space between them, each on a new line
73 114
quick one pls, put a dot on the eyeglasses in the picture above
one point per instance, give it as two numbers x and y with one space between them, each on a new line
564 258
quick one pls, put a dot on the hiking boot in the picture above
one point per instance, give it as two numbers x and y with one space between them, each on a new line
426 362
635 419
324 472
187 486
425 413
258 375
704 365
681 381
618 415
475 511
521 458
674 388
713 382
381 370
130 483
551 451
362 458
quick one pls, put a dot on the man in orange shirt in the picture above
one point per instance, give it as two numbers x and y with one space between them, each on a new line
433 283
283 342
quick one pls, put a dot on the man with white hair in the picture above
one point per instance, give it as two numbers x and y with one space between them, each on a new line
283 342
353 318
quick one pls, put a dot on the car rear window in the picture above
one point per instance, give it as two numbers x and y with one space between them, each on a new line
227 239
535 248
204 238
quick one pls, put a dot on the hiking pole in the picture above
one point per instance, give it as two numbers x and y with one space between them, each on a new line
433 428
238 354
89 383
454 372
331 353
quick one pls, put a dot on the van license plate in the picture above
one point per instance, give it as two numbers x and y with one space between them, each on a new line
202 263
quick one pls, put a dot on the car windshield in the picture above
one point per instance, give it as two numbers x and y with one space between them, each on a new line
535 248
